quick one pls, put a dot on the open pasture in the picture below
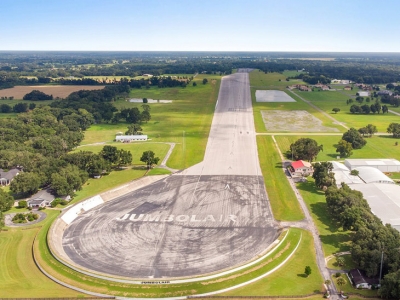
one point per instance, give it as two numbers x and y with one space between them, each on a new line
327 100
61 91
186 121
271 81
376 147
19 276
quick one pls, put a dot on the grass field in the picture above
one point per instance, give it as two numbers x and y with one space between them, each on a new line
376 147
272 81
118 177
327 100
19 276
290 279
187 119
348 263
281 196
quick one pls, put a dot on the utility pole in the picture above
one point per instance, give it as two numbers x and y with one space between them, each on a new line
380 273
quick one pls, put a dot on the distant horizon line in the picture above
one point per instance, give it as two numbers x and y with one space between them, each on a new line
202 51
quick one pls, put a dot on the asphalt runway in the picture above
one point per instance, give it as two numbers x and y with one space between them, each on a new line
210 217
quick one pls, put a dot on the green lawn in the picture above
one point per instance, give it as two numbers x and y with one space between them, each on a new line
290 279
19 276
283 201
272 81
348 263
326 100
187 119
376 147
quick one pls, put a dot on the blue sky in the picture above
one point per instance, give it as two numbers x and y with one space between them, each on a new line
205 25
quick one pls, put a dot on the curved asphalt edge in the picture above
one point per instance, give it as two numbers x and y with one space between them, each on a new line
168 298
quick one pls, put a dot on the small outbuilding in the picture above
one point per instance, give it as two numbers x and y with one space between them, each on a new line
300 168
361 280
130 138
363 93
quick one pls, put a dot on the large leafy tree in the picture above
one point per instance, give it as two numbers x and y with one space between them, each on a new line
305 149
394 128
354 137
134 129
344 148
390 286
323 175
26 183
148 157
67 180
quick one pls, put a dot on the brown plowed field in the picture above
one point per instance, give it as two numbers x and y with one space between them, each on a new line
62 91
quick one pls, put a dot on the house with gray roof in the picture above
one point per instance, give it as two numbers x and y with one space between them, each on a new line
7 176
41 199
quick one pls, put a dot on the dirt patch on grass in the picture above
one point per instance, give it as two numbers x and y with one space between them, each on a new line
61 91
293 121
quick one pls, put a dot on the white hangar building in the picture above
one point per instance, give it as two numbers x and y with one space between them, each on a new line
130 138
384 165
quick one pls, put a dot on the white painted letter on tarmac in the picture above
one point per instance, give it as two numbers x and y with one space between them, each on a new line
209 218
150 218
182 218
132 218
170 218
193 219
232 218
126 216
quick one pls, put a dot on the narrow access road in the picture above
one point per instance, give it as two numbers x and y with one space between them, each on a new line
308 224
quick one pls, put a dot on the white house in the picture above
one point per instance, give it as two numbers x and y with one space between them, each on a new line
363 93
41 199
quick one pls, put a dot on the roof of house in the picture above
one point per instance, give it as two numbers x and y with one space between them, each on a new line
45 194
9 174
301 164
360 277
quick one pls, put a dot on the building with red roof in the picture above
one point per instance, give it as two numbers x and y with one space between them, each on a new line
300 168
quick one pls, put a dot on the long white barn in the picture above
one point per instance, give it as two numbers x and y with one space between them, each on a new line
130 138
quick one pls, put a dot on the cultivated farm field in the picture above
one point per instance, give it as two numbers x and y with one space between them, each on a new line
61 91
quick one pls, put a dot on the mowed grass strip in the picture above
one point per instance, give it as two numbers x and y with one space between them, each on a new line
290 278
284 203
19 276
61 272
